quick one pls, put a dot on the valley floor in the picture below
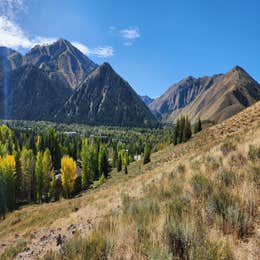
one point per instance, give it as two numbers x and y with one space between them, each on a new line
133 212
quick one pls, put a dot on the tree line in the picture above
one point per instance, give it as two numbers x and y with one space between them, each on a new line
37 167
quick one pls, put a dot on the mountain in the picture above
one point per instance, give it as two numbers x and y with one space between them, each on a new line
62 61
210 98
10 59
31 95
59 83
105 98
147 100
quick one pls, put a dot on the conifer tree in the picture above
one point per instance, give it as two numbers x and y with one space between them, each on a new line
198 126
186 133
147 154
27 180
39 174
47 172
103 162
119 163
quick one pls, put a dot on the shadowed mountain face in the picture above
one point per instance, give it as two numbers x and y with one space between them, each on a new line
105 98
59 83
62 61
210 98
31 95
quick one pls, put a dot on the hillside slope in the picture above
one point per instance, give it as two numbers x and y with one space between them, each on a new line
232 146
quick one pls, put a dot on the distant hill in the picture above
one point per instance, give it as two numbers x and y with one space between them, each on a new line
52 79
147 100
105 98
210 98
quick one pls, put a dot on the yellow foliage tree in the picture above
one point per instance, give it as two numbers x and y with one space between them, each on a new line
7 165
68 174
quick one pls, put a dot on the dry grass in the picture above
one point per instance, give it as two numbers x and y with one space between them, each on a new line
197 200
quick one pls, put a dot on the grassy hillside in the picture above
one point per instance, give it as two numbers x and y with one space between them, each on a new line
198 200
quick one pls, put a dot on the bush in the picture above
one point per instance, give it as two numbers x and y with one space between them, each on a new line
189 241
202 186
228 178
95 247
256 174
227 147
234 217
180 238
177 208
142 211
254 153
12 251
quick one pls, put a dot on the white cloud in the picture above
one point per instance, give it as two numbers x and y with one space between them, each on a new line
104 52
13 36
10 8
130 33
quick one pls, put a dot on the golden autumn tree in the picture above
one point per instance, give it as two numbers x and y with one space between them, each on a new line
68 174
8 169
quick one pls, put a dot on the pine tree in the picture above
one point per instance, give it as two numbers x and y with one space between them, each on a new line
27 178
39 174
186 133
86 176
176 132
68 174
147 154
18 179
119 162
47 172
198 126
103 162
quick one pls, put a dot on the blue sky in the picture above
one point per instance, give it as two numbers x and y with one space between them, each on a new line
152 44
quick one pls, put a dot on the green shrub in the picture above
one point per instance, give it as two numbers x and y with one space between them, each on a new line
228 178
177 208
181 168
256 174
180 238
12 251
254 152
94 247
156 253
227 147
142 211
234 217
202 186
189 241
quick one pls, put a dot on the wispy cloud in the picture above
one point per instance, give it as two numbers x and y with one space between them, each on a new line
13 36
102 52
130 33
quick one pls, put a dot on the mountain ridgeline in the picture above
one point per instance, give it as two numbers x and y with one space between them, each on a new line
59 83
214 98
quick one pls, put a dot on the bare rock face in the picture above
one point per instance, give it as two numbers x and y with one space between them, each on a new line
211 98
62 61
105 98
